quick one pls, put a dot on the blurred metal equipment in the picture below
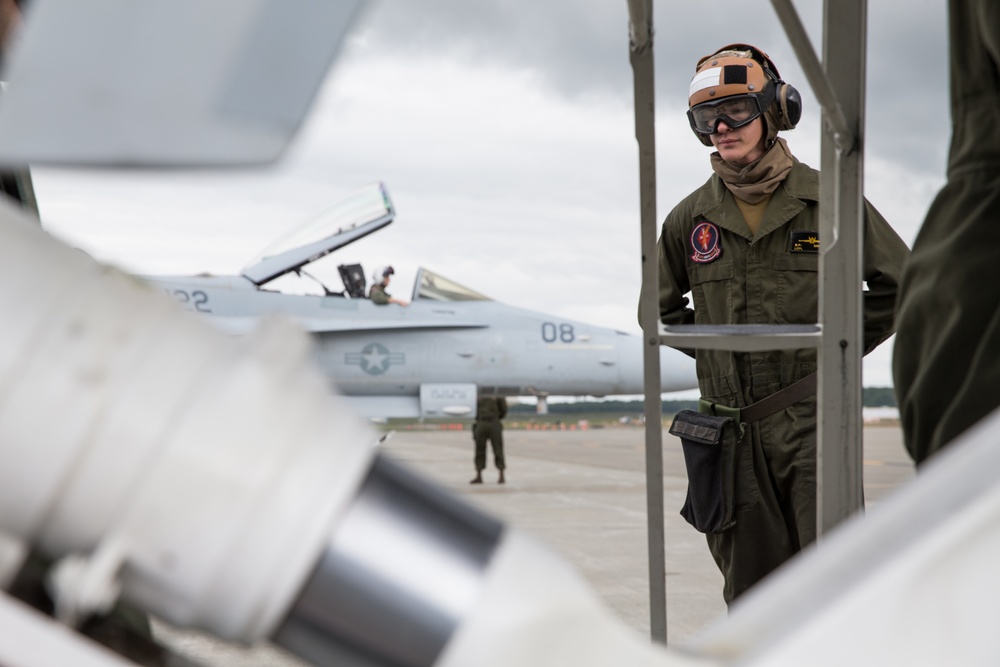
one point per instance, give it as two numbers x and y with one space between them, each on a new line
179 83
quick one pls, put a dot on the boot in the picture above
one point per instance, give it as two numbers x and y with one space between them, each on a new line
478 479
501 480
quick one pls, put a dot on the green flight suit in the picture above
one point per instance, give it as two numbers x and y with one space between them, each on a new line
489 411
946 364
707 249
378 295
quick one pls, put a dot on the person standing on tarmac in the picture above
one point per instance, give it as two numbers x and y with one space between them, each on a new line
946 365
377 293
490 411
746 246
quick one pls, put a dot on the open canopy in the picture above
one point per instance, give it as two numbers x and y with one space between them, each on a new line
353 217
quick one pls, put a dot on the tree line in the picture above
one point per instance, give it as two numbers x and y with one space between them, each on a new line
873 397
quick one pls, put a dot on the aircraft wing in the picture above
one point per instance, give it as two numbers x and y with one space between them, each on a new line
325 326
243 325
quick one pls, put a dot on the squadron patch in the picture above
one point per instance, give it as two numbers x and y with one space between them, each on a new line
706 243
803 241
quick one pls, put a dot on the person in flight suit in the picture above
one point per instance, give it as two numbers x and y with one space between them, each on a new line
15 183
490 410
946 366
377 293
746 246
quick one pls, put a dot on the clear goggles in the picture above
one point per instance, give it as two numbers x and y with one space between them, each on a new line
735 112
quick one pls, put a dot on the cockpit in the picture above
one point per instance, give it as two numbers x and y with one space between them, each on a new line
434 286
351 218
428 285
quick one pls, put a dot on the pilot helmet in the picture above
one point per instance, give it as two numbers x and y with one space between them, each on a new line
381 274
737 84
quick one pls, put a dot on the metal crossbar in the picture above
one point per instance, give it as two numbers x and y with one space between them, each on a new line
742 337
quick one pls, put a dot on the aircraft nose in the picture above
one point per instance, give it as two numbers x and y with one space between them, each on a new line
676 370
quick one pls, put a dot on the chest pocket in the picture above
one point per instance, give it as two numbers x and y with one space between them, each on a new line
712 290
797 288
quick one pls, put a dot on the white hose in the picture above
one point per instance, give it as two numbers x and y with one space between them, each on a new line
202 472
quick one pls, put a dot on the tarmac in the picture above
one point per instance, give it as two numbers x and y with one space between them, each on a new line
583 494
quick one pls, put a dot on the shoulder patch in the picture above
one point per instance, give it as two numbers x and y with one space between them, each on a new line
803 241
706 244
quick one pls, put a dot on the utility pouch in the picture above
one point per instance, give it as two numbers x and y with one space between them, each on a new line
710 444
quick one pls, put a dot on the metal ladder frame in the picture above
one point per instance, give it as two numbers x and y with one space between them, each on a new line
838 336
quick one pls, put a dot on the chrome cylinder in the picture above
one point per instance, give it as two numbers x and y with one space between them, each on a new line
402 568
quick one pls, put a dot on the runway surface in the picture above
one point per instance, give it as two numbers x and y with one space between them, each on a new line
582 493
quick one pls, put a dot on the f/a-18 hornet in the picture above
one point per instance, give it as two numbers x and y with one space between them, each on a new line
428 359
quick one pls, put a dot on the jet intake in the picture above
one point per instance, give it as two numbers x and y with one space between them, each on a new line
448 400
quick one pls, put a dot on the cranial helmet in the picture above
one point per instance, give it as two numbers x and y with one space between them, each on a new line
380 274
744 76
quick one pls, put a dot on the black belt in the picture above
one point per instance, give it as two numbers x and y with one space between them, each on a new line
779 400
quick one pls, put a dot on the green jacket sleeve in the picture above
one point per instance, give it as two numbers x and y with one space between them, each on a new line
674 286
885 255
378 295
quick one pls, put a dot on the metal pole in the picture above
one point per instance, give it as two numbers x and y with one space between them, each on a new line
641 57
839 448
843 132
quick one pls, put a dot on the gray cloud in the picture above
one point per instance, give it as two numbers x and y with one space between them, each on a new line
579 48
907 111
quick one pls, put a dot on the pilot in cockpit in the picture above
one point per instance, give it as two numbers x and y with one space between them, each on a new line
380 280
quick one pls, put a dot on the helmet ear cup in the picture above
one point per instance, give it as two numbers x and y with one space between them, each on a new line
789 103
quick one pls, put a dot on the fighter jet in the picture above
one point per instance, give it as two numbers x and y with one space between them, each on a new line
431 358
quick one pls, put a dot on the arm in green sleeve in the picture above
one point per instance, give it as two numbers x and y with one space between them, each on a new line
885 255
674 282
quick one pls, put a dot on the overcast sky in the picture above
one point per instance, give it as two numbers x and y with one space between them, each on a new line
504 134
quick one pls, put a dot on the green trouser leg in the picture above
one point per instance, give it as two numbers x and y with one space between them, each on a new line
946 365
492 431
496 439
479 435
776 500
